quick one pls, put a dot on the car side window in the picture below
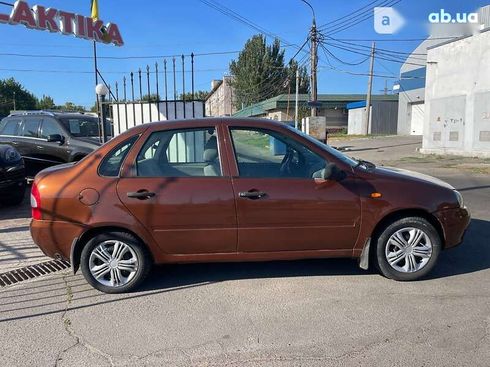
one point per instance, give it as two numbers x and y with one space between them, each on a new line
270 154
180 153
10 127
50 127
31 127
112 162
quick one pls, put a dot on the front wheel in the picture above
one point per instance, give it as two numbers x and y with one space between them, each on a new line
115 262
407 249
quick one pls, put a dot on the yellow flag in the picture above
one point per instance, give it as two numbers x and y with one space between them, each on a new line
94 10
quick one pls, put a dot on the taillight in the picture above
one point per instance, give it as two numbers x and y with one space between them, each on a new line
35 202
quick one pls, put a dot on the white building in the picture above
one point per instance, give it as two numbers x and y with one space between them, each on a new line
220 101
457 97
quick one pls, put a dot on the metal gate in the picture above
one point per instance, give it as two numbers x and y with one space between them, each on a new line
144 96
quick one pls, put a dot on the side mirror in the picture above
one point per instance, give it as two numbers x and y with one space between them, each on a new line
332 172
56 138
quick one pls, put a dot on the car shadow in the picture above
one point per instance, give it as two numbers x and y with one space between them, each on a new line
471 256
178 275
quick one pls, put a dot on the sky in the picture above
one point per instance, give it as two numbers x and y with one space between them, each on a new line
159 28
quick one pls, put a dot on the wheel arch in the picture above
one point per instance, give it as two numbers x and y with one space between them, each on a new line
369 250
80 242
404 213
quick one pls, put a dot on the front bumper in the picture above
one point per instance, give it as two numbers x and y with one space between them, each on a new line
454 222
55 238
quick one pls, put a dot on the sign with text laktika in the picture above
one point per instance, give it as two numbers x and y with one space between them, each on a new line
59 21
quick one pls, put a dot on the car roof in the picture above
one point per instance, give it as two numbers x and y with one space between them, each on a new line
52 113
218 121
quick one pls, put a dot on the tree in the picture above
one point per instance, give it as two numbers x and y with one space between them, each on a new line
260 72
45 103
71 107
304 80
24 100
198 95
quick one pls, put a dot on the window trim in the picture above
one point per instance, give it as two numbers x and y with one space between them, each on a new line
30 118
267 131
115 148
57 122
184 129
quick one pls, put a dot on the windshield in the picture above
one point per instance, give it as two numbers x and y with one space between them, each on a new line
84 127
351 162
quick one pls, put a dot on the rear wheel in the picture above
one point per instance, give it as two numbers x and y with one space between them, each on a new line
407 249
115 262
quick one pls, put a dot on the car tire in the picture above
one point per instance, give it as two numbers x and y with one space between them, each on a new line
16 197
112 269
407 249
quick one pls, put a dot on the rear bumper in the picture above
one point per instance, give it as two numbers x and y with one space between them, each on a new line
55 238
454 222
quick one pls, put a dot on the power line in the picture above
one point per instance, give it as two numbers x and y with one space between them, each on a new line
359 19
115 57
380 56
106 72
347 15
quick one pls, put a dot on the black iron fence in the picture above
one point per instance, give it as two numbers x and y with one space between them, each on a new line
144 96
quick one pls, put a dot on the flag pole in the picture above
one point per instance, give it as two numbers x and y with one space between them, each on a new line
96 74
94 14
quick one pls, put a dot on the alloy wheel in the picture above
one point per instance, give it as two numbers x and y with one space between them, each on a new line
408 250
113 263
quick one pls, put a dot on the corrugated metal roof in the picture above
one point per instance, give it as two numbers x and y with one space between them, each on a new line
327 101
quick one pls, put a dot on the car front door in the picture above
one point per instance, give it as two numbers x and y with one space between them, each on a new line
180 189
280 205
53 151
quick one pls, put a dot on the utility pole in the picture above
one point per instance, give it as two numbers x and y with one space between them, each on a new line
314 62
15 105
296 112
370 87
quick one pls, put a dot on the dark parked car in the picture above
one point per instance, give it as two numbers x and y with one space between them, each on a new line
12 176
237 190
46 138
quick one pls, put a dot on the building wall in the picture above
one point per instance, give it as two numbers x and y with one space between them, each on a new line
334 117
383 119
221 101
457 108
412 84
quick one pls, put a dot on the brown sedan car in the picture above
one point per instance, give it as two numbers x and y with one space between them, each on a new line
236 190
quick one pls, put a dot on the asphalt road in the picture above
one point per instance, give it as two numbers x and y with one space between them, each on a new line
302 313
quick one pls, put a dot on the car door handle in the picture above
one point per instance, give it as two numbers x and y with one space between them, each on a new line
252 194
141 194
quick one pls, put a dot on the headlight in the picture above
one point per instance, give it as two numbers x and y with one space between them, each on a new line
11 155
459 197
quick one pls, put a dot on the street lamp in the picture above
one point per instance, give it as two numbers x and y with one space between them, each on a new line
101 90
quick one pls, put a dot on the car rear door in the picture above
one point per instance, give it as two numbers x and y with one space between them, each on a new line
280 206
178 186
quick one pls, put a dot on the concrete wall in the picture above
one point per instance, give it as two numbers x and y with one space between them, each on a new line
221 100
457 108
356 123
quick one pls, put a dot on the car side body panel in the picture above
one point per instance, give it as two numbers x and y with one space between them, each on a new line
196 220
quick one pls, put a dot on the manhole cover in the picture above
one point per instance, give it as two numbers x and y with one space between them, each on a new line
32 271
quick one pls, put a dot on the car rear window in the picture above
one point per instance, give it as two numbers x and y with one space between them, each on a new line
112 162
9 127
